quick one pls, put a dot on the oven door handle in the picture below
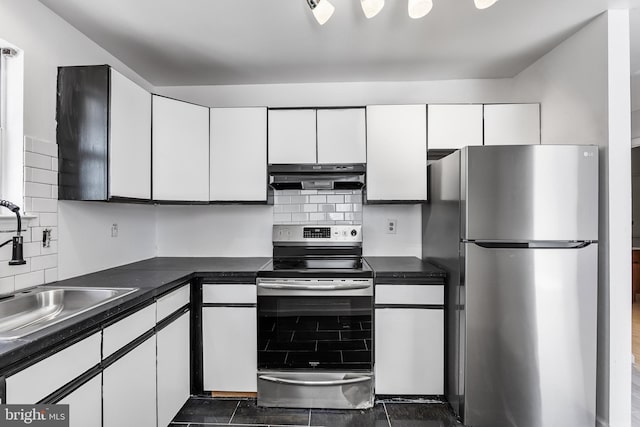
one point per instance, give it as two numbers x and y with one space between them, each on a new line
314 383
301 287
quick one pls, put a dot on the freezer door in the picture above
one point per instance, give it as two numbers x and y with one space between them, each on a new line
534 192
530 323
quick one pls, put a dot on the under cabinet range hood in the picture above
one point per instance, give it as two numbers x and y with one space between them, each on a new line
317 177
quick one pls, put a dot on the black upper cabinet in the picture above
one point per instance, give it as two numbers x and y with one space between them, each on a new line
103 135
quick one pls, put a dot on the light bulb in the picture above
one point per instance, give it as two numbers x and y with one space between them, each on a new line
419 8
483 4
371 7
323 11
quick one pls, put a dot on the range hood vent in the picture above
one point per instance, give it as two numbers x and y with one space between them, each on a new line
317 177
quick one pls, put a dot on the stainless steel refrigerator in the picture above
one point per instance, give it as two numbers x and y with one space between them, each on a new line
517 229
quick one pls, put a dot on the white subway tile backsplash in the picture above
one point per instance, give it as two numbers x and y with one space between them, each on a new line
7 285
34 189
29 280
35 160
44 261
326 207
317 199
300 217
44 205
41 194
42 176
42 147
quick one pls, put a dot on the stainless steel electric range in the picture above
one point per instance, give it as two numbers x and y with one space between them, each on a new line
315 317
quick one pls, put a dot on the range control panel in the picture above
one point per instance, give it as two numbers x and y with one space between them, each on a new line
317 233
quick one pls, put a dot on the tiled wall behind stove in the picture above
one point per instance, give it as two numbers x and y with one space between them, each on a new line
317 207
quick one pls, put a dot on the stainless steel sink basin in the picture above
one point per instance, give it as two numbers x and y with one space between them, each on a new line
31 311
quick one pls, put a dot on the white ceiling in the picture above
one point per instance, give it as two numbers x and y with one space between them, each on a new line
209 42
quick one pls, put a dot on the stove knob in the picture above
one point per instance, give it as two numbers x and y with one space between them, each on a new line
354 233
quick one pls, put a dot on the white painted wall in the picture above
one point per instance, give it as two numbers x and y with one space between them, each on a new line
407 241
584 90
48 42
214 231
344 94
85 242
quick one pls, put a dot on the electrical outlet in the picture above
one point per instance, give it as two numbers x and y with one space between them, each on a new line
114 230
392 225
46 238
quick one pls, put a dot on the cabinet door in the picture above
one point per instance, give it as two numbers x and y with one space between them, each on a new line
229 345
85 404
173 368
39 380
409 351
397 152
292 136
342 136
129 388
180 150
511 124
238 154
454 126
129 139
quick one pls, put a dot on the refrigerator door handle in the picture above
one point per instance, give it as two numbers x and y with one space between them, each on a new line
531 245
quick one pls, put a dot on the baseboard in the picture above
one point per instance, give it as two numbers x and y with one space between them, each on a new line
236 394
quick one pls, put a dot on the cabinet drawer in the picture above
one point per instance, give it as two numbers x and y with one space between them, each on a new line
410 294
123 332
34 383
171 302
229 294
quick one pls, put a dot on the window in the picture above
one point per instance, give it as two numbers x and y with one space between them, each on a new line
11 124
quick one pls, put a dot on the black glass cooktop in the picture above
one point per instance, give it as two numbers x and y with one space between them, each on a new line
317 267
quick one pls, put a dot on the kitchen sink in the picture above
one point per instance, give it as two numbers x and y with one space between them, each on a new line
28 312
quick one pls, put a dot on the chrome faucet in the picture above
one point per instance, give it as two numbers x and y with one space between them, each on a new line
17 257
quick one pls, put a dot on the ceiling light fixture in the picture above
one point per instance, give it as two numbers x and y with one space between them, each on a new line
483 4
322 10
419 8
371 7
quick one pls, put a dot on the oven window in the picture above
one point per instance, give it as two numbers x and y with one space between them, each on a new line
318 333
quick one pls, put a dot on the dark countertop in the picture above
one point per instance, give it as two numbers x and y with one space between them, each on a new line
396 268
156 276
153 277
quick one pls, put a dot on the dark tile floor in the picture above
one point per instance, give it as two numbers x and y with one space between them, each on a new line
202 411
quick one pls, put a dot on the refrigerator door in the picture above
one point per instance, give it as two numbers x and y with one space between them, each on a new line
530 325
532 192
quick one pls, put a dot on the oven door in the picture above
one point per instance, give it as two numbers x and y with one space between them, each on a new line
317 325
315 343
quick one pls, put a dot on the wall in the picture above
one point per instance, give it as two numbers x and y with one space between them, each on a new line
344 94
231 230
41 192
48 42
317 207
585 100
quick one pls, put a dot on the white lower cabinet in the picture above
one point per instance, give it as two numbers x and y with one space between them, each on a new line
129 388
229 345
173 353
85 404
409 351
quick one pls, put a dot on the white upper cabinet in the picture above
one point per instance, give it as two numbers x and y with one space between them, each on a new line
129 139
292 136
511 124
180 150
342 136
451 127
238 154
397 153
